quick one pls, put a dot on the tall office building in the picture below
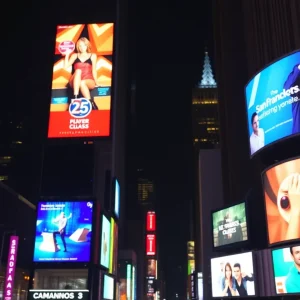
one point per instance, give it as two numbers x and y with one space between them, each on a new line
248 35
205 110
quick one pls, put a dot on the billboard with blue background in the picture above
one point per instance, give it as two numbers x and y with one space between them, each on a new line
273 102
63 231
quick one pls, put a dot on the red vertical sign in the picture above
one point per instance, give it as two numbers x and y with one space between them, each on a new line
151 221
150 244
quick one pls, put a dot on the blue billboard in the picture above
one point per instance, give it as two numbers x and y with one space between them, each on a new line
117 198
273 102
63 231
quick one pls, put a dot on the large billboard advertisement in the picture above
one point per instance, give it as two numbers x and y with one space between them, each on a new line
150 244
230 225
63 231
233 275
151 268
105 243
82 81
286 265
281 184
273 102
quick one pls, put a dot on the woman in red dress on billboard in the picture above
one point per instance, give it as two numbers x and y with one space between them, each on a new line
84 77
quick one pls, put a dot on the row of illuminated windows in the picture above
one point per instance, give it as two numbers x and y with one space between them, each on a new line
205 102
196 140
3 177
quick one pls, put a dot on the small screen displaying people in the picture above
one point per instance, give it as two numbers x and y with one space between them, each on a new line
230 225
286 264
63 231
273 102
282 198
233 276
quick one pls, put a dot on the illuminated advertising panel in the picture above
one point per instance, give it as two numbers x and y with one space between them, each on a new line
58 294
117 198
150 244
191 257
272 99
128 282
111 252
281 192
82 81
233 275
115 255
151 268
151 221
150 286
105 242
123 289
108 287
286 266
63 231
11 268
230 225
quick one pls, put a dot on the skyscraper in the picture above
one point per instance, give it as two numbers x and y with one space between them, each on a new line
205 109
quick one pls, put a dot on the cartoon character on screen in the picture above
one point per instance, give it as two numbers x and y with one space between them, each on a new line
61 222
292 282
228 282
288 202
293 85
84 77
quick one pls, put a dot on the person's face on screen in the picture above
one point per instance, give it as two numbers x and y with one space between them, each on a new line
296 255
62 214
228 272
82 47
237 272
255 124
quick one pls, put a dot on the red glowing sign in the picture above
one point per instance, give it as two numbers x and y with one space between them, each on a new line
151 221
150 244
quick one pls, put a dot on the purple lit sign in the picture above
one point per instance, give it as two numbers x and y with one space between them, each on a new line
11 267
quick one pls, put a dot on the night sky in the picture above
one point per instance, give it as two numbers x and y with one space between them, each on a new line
166 52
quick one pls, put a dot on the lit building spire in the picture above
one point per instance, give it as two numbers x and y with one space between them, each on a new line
208 80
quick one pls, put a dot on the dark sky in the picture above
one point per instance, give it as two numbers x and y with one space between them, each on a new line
166 51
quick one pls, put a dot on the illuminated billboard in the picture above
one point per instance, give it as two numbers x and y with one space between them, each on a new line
82 81
117 198
273 102
150 244
105 243
115 249
233 275
286 266
230 225
11 268
151 221
111 252
281 184
108 287
63 231
151 268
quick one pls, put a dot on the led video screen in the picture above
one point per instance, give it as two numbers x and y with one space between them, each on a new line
151 268
82 81
63 231
117 198
281 184
273 102
286 265
233 275
105 243
108 287
230 225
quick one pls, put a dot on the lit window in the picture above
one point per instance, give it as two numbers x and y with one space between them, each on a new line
3 177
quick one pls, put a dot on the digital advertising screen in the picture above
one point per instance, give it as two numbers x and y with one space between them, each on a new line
105 242
117 198
82 81
115 249
230 225
150 244
233 276
272 102
281 185
63 231
108 287
111 254
151 221
151 268
286 266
